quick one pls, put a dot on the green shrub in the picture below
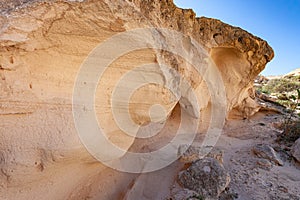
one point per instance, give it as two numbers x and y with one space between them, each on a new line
281 85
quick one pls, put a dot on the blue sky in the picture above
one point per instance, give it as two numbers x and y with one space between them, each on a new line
276 21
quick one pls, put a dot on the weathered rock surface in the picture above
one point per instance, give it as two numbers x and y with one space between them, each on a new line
42 46
267 152
296 150
189 154
186 194
264 164
207 177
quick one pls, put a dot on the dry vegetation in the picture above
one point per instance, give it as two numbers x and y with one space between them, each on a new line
286 91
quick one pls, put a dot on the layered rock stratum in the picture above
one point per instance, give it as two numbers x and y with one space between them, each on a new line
43 45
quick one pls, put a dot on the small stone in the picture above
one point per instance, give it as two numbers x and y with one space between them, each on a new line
296 150
228 194
283 189
267 152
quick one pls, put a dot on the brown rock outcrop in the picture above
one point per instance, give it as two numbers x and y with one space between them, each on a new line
43 45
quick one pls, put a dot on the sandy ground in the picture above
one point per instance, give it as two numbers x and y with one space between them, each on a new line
248 180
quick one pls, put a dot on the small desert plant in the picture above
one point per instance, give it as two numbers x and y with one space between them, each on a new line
292 127
290 133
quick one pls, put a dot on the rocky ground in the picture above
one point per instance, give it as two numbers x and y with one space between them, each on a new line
259 166
259 177
250 161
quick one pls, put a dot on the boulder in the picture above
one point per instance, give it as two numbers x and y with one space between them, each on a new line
296 150
207 177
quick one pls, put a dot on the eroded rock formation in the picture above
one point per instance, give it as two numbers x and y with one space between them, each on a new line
44 43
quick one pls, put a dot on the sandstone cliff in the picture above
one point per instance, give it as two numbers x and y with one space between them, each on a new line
43 45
